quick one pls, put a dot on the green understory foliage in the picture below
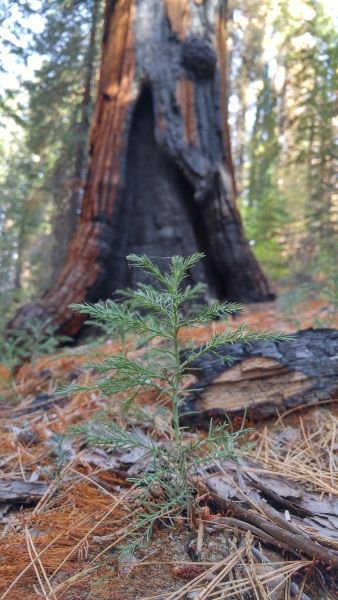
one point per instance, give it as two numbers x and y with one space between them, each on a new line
44 124
265 214
61 455
326 290
283 115
167 486
38 338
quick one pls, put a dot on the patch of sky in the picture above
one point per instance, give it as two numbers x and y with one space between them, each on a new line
16 33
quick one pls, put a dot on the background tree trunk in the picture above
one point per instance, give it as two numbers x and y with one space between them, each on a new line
161 179
68 209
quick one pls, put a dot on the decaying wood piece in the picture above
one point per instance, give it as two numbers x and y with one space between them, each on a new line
160 181
265 377
22 491
245 492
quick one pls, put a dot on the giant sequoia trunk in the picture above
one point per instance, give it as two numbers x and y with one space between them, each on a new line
160 180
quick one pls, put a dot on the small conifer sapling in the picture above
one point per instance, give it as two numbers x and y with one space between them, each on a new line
167 486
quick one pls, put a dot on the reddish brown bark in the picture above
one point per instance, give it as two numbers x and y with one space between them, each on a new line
160 179
221 40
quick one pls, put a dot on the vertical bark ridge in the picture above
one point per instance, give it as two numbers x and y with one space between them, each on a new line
83 268
160 120
160 180
186 100
115 89
79 274
221 49
179 15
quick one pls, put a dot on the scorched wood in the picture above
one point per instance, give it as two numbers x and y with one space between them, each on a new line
266 377
160 180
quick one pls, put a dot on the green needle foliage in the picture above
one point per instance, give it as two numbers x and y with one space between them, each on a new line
167 488
116 330
38 337
329 293
61 455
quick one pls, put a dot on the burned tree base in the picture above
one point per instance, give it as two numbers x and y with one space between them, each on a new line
161 178
266 379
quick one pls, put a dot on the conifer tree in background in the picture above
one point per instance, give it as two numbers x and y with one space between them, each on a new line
247 22
19 218
287 160
265 199
44 153
61 103
311 73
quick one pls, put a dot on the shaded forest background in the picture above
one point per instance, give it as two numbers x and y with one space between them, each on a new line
283 109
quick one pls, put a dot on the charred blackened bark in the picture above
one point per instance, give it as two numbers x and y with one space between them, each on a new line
160 179
265 378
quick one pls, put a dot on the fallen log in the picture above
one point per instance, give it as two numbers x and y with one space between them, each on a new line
265 378
244 491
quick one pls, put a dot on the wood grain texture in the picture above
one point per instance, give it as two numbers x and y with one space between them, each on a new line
185 100
267 378
258 499
221 48
179 15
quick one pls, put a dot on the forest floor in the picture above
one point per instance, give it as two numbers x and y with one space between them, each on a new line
71 505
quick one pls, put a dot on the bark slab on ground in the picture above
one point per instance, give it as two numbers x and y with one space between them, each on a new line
265 378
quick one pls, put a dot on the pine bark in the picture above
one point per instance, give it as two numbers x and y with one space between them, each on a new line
160 180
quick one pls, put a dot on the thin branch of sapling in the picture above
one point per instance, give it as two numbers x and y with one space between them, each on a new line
60 457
